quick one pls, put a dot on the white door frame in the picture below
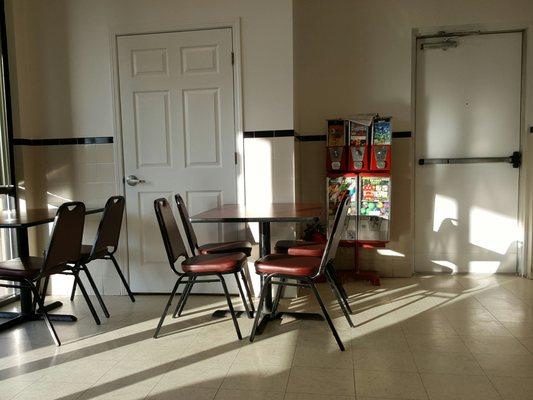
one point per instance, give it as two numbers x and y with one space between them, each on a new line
143 29
523 210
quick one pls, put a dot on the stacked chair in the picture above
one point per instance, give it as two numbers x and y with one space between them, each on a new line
195 267
104 247
237 246
303 269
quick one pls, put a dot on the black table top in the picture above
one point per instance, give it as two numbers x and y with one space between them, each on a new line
33 217
274 212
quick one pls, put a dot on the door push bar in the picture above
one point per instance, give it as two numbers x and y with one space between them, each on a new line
515 159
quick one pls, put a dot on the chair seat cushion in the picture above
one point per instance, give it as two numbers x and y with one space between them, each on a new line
238 246
86 252
287 265
24 267
311 250
214 263
283 246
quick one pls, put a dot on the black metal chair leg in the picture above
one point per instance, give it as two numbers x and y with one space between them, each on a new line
277 299
337 294
181 299
73 293
169 302
243 297
248 292
326 315
38 287
40 302
45 288
86 296
184 297
340 287
122 278
260 306
95 289
230 305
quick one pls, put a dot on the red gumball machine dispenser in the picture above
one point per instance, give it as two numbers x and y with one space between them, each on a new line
336 150
380 153
359 129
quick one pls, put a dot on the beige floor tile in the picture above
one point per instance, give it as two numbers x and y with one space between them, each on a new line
187 393
436 343
479 328
322 357
129 372
389 384
308 396
517 365
200 375
257 377
528 343
266 353
381 341
226 394
12 386
52 391
135 391
428 326
513 388
519 329
327 381
494 345
447 363
459 387
78 371
377 360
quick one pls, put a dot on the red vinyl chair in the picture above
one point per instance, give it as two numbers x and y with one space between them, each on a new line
238 246
310 249
194 267
304 270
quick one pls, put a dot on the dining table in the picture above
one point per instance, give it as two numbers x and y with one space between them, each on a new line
264 215
21 222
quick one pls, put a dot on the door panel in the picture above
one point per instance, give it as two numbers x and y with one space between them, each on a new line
177 107
468 105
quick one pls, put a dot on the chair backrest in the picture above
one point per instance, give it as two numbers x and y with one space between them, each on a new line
108 233
189 230
174 245
65 241
336 231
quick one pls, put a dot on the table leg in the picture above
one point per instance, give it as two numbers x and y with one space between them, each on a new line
26 303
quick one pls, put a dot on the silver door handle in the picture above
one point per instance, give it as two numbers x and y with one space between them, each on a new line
132 180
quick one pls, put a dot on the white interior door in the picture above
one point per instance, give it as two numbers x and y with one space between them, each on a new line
177 107
468 105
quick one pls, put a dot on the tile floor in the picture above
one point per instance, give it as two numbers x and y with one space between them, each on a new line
428 337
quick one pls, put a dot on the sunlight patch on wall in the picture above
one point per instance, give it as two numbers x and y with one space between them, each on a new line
445 208
483 267
446 264
491 230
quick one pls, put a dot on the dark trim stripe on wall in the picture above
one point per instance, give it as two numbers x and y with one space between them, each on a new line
63 141
267 134
307 138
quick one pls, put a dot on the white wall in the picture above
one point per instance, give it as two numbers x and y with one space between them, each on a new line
356 56
60 64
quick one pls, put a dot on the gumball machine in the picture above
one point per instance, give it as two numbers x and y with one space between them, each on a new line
374 208
359 160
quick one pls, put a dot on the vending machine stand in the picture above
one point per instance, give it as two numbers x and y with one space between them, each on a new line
357 273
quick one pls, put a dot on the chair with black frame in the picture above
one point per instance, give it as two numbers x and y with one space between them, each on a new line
194 267
312 249
62 257
238 246
105 246
304 269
